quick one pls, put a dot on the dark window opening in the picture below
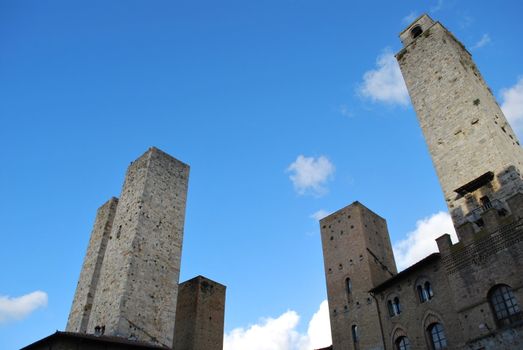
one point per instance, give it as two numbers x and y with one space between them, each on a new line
485 202
505 306
415 32
437 336
99 330
403 343
355 336
480 223
475 184
348 286
394 307
425 292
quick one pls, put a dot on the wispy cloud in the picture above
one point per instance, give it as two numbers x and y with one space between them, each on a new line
437 7
320 214
385 83
281 333
421 242
512 104
309 175
408 19
485 40
345 111
466 21
17 308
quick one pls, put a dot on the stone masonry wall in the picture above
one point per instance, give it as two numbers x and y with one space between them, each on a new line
490 257
465 130
136 297
416 316
356 245
200 315
90 274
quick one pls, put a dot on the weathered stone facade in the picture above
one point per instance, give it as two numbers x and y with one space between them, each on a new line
469 294
90 274
129 281
357 256
136 294
200 315
466 132
127 294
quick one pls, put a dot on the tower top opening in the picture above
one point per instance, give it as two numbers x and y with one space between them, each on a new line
415 29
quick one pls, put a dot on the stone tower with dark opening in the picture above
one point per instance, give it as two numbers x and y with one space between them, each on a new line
357 256
475 152
468 295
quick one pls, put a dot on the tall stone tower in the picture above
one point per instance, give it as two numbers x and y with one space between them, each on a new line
475 152
358 256
133 293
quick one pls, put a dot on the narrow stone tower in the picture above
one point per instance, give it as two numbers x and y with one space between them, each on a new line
475 152
90 274
358 256
129 280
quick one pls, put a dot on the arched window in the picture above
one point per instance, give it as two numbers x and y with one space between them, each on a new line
437 336
390 308
394 306
504 304
425 292
355 336
416 31
428 290
402 343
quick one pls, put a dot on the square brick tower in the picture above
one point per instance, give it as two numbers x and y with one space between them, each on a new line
200 315
357 255
129 281
476 154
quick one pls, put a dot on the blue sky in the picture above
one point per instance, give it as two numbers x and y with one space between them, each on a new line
285 110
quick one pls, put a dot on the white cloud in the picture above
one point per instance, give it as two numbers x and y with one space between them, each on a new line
512 103
20 307
385 83
320 214
319 331
408 19
485 39
309 175
421 242
280 333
